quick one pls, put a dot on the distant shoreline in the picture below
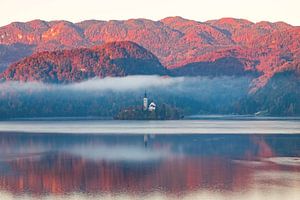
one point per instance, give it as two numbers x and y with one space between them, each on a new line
189 117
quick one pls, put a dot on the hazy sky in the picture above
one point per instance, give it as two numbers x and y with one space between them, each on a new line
200 10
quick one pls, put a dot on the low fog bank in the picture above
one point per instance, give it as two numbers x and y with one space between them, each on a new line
105 97
134 84
117 84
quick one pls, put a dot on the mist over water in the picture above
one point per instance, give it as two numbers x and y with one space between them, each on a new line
134 83
119 84
105 97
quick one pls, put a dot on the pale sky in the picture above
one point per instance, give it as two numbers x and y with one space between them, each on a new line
200 10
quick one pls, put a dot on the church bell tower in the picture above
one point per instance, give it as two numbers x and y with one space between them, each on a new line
145 105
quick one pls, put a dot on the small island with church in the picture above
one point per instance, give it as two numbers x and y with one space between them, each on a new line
149 112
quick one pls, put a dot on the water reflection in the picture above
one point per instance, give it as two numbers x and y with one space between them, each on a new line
138 165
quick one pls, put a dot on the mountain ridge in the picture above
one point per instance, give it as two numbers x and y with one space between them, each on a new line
261 48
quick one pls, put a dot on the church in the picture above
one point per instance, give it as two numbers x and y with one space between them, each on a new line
151 107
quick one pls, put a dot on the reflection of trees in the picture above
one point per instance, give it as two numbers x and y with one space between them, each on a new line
263 150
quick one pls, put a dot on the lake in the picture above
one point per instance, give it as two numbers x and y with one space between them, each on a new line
188 159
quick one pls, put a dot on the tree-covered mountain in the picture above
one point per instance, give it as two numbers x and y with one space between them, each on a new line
65 66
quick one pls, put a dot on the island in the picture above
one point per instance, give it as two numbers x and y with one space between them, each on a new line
150 112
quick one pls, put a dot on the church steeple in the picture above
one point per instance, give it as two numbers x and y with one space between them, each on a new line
145 102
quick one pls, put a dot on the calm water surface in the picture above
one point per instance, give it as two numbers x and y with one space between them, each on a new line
104 160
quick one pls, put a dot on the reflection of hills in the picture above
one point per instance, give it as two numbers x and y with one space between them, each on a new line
195 162
61 173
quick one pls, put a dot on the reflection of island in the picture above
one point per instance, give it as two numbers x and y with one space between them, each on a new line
149 112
